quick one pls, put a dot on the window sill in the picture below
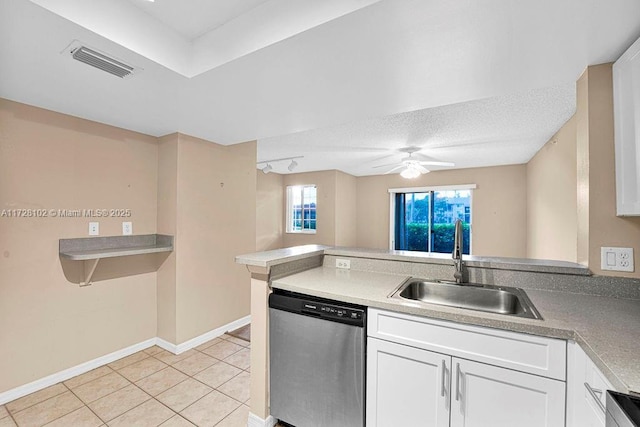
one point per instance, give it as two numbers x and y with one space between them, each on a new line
300 232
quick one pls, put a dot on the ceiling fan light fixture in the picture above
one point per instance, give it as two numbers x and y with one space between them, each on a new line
410 172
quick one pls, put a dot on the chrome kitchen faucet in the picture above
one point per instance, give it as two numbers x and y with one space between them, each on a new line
457 252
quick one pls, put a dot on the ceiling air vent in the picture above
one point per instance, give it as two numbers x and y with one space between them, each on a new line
99 60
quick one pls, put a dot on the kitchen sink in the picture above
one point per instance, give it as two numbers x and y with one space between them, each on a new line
493 299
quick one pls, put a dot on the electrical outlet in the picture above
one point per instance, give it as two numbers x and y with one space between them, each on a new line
127 228
616 259
343 263
94 229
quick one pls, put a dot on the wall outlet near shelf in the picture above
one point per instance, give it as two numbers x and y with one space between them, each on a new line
94 229
127 228
343 263
616 259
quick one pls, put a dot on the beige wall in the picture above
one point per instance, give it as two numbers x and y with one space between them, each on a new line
498 207
598 224
269 211
216 193
53 161
552 198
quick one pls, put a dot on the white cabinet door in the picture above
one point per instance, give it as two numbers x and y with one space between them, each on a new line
406 386
484 395
626 105
586 390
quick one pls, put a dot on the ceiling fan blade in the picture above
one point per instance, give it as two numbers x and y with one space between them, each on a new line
422 169
435 163
394 169
398 164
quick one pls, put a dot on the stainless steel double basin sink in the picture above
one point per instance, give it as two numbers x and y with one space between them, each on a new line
488 298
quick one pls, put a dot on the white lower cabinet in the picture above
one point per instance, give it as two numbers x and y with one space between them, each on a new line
406 386
485 395
410 385
586 390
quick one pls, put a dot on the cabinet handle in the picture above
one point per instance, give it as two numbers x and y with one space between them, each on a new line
444 372
594 392
457 381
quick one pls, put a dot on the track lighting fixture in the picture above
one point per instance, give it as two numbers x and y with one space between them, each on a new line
268 168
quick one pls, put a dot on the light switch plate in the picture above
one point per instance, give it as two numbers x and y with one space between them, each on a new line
127 228
616 259
94 229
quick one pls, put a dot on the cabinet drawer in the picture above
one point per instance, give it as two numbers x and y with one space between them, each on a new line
526 353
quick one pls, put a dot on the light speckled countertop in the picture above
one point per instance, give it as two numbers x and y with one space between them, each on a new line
280 256
606 328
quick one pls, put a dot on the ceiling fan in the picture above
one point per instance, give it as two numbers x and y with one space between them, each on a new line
411 166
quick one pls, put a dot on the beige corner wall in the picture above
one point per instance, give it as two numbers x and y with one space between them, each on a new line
346 206
326 207
269 211
336 209
552 198
53 161
598 224
167 224
499 209
216 220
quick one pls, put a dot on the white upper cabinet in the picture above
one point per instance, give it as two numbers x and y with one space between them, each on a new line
626 98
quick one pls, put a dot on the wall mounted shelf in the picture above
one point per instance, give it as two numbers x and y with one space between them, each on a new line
90 250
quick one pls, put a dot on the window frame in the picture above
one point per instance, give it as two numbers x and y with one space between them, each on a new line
392 209
289 207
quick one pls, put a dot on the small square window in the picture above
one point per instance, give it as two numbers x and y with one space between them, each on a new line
301 209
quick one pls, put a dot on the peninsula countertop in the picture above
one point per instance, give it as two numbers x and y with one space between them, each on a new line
605 327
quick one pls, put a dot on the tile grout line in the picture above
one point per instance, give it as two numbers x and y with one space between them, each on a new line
49 422
11 416
174 412
127 411
108 394
228 415
86 405
37 403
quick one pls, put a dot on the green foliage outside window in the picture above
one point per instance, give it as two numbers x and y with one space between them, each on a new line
443 237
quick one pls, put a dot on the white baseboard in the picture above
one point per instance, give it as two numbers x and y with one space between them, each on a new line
201 339
52 379
256 421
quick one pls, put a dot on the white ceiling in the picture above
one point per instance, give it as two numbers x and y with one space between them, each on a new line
343 82
193 18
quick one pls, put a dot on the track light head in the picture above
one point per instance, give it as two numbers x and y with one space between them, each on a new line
267 168
292 166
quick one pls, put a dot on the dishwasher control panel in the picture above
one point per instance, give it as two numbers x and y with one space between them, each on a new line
332 310
318 307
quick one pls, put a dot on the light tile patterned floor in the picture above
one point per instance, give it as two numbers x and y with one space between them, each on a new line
205 386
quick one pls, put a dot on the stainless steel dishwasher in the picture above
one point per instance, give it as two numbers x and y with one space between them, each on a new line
317 361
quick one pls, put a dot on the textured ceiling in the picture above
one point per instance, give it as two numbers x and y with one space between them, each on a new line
359 79
496 131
